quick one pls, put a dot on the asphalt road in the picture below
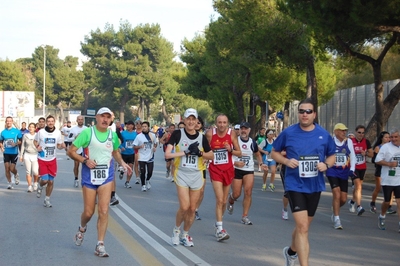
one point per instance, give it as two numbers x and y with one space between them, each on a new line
140 227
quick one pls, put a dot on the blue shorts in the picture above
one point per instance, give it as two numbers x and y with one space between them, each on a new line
47 177
269 163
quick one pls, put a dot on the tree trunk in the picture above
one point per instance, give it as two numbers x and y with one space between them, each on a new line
286 115
312 88
388 106
62 116
239 103
165 114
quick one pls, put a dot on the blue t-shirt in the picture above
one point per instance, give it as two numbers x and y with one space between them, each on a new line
10 136
128 138
309 148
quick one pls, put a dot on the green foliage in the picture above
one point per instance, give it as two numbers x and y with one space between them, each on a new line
12 77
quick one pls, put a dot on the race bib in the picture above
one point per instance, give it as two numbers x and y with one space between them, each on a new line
246 160
308 166
49 152
189 161
129 144
99 174
8 143
360 159
221 156
341 159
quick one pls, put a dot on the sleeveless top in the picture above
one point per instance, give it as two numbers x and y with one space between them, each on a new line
341 167
247 154
222 158
101 152
188 164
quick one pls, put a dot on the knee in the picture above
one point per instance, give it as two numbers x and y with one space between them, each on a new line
248 192
302 228
102 211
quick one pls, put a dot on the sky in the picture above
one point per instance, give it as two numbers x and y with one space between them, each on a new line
26 24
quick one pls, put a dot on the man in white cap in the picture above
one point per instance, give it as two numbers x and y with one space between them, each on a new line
191 150
338 174
99 144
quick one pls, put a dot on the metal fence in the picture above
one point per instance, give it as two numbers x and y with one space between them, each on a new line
353 106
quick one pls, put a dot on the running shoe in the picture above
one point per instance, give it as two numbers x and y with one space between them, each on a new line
229 206
246 220
221 235
186 241
285 215
121 175
352 207
35 186
127 185
167 174
17 179
175 237
196 215
79 236
144 189
10 186
148 185
47 203
76 183
264 187
259 169
39 191
114 201
137 180
30 189
372 208
271 187
381 223
100 250
289 260
337 224
360 210
390 211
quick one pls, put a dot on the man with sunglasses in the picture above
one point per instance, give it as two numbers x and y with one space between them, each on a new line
310 151
362 149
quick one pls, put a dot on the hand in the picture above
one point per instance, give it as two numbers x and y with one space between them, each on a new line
194 149
352 175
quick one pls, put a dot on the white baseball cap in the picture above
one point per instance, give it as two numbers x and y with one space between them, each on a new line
104 110
190 112
237 126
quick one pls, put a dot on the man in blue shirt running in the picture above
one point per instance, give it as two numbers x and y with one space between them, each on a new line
310 151
10 138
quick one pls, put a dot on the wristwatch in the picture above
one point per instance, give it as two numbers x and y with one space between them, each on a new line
85 161
327 165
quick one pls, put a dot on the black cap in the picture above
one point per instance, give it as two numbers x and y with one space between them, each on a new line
245 124
130 122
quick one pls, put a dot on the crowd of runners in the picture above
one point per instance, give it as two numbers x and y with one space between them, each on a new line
224 152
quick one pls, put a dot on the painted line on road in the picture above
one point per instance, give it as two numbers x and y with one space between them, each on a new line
184 251
151 241
134 248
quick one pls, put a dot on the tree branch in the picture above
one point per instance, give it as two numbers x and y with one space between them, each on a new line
353 53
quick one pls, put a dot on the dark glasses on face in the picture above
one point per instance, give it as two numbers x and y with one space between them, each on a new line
307 111
360 132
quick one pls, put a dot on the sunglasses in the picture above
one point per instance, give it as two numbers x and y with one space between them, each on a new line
360 132
307 111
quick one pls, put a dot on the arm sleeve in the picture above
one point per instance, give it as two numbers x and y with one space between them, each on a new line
175 137
353 158
206 144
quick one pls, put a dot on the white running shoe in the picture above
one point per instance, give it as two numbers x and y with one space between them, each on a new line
144 188
10 186
289 260
148 185
76 183
137 180
39 191
127 185
285 215
186 240
79 236
352 206
221 235
175 237
47 203
246 220
100 250
30 189
35 186
17 179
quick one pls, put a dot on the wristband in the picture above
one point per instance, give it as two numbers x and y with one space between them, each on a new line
327 166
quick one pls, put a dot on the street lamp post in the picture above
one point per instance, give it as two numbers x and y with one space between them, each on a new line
44 80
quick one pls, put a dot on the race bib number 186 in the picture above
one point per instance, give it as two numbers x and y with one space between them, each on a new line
99 174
